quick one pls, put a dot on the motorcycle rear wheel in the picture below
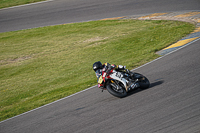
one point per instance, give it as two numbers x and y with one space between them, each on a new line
116 93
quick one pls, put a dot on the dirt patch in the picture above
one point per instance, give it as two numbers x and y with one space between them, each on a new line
95 39
9 61
193 21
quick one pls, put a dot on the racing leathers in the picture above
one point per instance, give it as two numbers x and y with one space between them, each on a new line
106 68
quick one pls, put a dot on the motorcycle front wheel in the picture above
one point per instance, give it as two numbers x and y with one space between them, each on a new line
143 81
118 93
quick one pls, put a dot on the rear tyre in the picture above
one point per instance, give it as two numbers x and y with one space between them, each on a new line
118 93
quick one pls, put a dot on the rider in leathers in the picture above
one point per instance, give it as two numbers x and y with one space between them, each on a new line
106 67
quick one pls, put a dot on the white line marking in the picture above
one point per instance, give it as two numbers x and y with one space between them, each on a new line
48 104
27 4
168 53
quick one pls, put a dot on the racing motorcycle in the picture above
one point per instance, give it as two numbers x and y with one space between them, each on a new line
120 83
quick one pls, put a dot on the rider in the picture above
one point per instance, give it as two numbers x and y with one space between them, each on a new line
106 67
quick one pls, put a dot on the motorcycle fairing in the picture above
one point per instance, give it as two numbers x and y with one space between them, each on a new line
119 76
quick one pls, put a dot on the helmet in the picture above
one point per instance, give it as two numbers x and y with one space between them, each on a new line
97 65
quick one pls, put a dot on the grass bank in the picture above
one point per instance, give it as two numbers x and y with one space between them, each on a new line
41 65
10 3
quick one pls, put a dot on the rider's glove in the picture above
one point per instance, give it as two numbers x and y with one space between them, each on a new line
127 71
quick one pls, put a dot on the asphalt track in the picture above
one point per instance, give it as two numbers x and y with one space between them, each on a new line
170 105
69 11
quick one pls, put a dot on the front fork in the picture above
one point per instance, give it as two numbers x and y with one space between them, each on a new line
133 85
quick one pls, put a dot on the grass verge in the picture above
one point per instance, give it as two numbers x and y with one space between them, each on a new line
10 3
41 65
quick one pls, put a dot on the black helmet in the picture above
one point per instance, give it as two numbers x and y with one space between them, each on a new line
97 65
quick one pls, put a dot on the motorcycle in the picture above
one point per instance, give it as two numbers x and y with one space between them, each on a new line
120 83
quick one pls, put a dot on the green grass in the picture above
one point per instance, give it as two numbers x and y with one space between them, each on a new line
10 3
41 65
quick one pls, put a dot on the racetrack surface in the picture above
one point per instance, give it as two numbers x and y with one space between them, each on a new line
68 11
171 104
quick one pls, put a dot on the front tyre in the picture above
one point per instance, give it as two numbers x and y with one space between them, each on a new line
118 93
143 81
